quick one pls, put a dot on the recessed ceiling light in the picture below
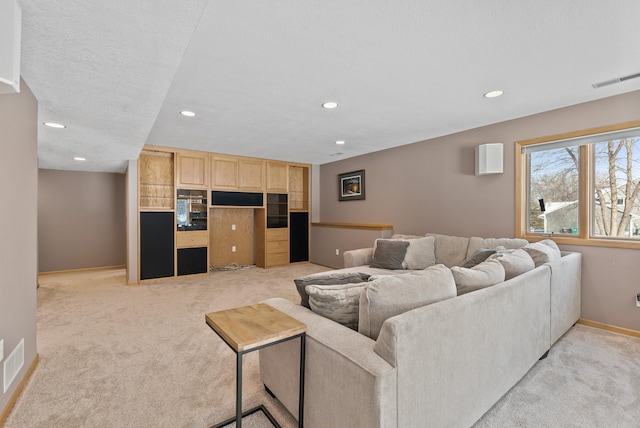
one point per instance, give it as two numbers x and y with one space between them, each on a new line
187 113
78 158
340 142
330 104
493 94
54 125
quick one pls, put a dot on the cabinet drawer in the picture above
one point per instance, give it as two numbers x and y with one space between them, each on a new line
278 234
278 259
192 239
277 247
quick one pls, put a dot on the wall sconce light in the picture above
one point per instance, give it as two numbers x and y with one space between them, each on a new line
489 159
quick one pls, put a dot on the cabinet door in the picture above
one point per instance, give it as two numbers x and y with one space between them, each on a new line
298 188
276 177
155 176
224 173
299 237
192 171
156 244
192 261
251 174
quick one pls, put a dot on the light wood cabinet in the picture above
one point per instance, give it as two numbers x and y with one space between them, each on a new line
277 251
193 171
156 180
276 177
251 175
224 173
191 239
298 188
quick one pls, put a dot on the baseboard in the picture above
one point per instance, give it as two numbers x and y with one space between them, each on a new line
608 327
12 401
53 272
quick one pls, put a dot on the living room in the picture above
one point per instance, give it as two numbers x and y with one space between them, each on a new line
426 186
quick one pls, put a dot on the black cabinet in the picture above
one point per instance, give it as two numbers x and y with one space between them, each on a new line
299 237
192 260
156 244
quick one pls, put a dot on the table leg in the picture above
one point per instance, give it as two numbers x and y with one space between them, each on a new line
301 392
239 390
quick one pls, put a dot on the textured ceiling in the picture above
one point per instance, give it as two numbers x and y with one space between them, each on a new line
117 73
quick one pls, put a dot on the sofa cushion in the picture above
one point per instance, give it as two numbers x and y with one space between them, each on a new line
395 294
543 252
514 262
339 303
475 243
478 257
450 250
485 274
420 252
389 254
327 278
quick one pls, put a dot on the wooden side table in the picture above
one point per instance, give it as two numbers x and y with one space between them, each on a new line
249 328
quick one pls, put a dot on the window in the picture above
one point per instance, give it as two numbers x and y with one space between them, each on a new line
582 188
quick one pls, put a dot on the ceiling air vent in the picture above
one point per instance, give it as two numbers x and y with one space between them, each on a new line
616 80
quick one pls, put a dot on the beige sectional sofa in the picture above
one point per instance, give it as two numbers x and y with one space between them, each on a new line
441 363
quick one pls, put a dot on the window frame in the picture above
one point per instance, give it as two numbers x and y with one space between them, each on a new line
585 192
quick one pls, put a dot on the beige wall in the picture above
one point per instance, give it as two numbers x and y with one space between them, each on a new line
81 220
18 235
431 186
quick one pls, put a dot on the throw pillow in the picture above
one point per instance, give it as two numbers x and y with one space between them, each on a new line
420 252
339 303
514 262
389 254
326 278
543 252
478 257
485 274
392 295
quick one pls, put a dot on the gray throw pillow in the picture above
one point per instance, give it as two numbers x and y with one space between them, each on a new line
543 252
514 262
478 257
326 278
389 254
338 303
485 274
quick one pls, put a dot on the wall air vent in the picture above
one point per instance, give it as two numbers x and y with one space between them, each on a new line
616 80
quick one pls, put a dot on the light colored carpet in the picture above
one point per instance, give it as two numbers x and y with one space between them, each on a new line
113 355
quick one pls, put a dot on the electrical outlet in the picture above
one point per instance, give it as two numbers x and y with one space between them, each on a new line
638 300
233 249
233 227
337 252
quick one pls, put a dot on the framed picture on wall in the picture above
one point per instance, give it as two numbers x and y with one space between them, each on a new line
351 186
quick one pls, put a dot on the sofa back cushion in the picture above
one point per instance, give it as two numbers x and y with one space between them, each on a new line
476 243
450 250
483 275
392 295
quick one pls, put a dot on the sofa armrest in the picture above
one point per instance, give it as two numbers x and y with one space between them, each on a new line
346 382
359 257
566 285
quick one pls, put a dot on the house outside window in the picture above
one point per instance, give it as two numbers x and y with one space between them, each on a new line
581 188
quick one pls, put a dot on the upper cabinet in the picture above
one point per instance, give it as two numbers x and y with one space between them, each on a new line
277 177
251 174
193 170
298 188
156 178
224 172
236 173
